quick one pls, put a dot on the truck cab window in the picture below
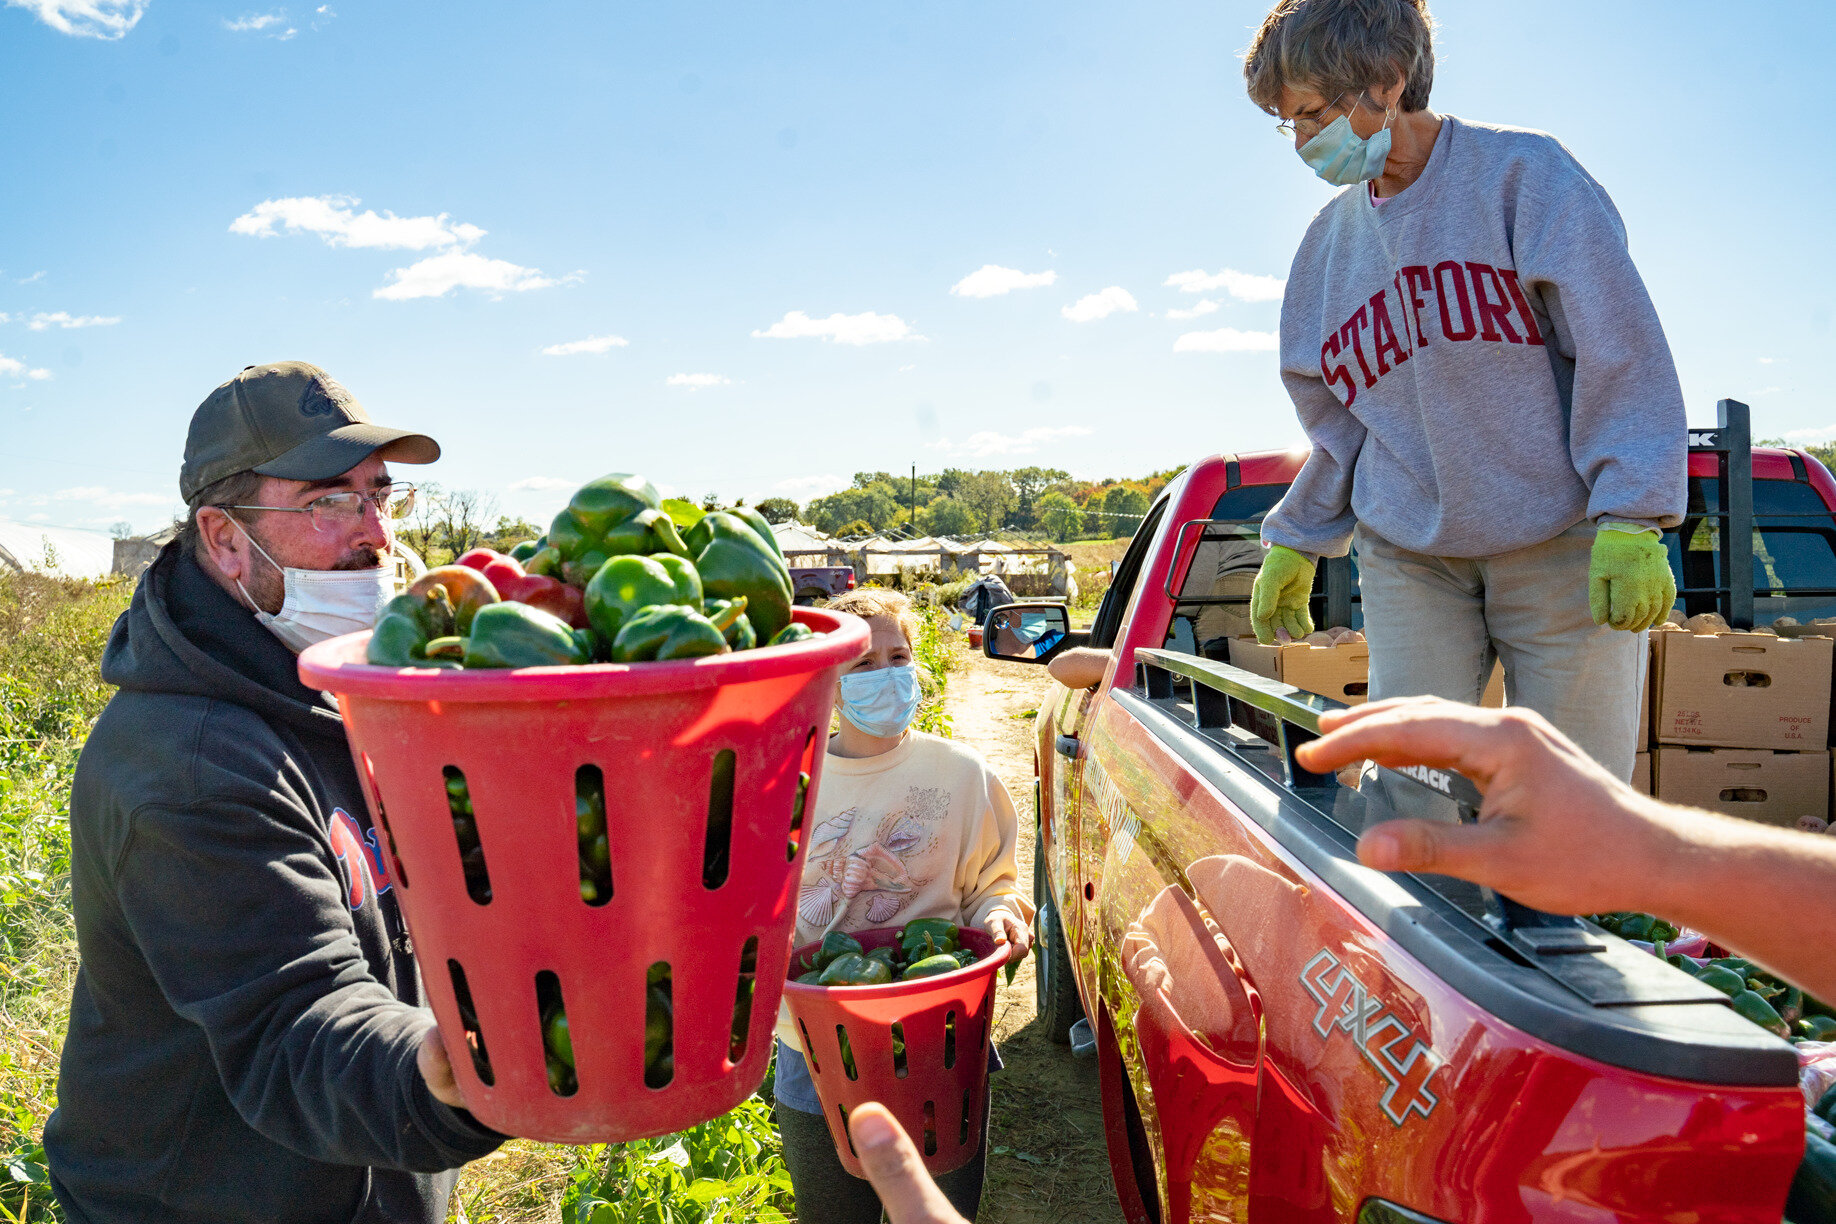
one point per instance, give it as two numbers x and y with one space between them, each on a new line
1794 550
1213 602
1108 622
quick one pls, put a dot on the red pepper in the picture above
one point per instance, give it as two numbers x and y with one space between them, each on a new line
551 595
503 571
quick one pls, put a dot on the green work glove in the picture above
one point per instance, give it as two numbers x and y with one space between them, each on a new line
1279 598
1629 584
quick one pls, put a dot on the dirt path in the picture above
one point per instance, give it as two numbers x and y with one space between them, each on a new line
1048 1163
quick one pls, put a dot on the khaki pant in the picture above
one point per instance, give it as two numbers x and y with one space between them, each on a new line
1435 624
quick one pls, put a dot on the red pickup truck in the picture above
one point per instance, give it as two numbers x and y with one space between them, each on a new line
1286 1035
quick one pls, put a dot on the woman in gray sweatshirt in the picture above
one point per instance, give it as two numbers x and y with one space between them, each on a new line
1495 418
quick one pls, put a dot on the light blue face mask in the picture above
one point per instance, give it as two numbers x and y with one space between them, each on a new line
882 702
1342 157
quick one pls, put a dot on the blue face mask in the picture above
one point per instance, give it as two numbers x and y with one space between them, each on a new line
882 702
1342 157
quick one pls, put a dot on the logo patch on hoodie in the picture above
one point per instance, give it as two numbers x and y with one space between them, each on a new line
366 874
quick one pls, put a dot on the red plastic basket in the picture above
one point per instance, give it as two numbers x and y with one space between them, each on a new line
705 767
936 1089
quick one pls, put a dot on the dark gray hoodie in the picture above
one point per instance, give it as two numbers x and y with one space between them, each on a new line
244 1025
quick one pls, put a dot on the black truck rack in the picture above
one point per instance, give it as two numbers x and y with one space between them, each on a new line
1561 979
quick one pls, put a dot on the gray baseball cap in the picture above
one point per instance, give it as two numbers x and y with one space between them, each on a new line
290 420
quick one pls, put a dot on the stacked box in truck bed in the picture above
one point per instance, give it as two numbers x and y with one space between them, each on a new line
1741 724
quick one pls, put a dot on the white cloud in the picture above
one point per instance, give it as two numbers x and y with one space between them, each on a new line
104 19
335 219
1227 340
542 484
256 21
992 280
696 382
1766 360
812 486
592 344
1095 306
987 442
1244 286
12 367
864 328
4 317
438 275
107 498
1203 306
60 318
27 280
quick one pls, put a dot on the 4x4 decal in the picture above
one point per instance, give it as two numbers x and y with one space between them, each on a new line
1386 1042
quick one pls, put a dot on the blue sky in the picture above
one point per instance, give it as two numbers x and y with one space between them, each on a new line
717 243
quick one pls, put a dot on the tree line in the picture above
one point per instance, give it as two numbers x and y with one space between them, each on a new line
960 502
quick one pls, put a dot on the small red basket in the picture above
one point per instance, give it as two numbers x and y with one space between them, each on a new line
482 784
935 1089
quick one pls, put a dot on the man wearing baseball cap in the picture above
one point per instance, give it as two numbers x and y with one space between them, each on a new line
247 1037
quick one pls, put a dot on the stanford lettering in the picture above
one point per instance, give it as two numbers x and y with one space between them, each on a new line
1488 302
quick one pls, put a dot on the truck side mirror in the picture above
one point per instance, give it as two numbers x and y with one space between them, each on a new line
1026 632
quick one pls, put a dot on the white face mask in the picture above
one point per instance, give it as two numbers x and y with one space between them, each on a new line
321 604
881 702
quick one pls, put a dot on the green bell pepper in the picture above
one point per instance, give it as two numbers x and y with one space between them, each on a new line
791 633
666 631
854 969
728 616
943 928
682 572
527 549
734 561
930 966
1725 980
559 1040
834 944
1815 1028
517 635
407 624
753 519
1751 1007
608 517
622 586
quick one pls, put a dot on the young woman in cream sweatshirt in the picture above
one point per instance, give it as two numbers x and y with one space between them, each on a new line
907 825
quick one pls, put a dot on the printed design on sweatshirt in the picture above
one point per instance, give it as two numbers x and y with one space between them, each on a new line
1452 302
882 870
366 872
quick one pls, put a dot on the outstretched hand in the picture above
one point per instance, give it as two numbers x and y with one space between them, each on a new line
897 1172
1556 832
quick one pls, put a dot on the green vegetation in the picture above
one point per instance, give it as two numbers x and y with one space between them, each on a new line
51 636
720 1172
960 502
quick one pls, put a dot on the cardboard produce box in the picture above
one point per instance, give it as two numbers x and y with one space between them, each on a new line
1340 672
1773 788
1641 773
1742 690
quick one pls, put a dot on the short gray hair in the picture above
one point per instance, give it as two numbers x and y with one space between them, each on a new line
1336 47
236 489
